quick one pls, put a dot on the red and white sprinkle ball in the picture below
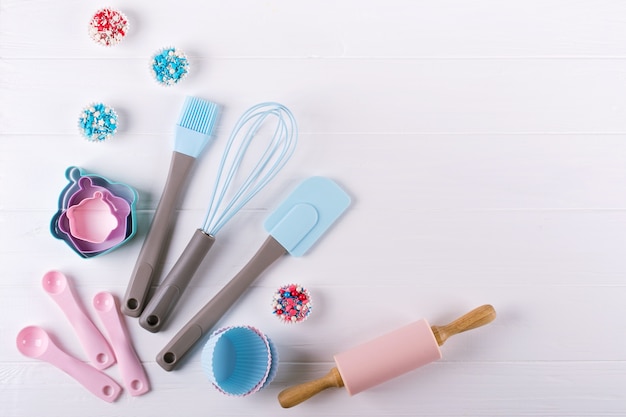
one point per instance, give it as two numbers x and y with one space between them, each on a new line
292 303
108 27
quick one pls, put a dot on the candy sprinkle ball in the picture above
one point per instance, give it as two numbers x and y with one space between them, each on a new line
108 27
169 66
292 303
97 122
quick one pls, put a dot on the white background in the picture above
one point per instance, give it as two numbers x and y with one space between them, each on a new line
482 142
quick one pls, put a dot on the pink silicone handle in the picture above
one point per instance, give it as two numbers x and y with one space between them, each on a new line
133 374
100 384
95 345
34 342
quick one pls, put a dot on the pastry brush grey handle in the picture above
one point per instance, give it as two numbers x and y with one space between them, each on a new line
158 236
171 355
170 290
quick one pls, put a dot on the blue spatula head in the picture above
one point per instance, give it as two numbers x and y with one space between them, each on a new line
306 214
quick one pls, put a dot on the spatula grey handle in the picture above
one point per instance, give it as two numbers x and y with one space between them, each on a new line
171 355
169 291
158 236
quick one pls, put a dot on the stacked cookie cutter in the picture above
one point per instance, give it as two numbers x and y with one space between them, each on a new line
95 215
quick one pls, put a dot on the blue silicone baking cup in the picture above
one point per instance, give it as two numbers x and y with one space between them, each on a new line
238 360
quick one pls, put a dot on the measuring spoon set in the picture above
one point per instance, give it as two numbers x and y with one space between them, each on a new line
37 343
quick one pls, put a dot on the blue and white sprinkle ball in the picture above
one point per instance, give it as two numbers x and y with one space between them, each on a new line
169 66
97 122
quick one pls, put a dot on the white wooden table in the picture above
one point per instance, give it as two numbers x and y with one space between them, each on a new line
482 142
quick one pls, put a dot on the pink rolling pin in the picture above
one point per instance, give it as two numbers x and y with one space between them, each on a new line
387 357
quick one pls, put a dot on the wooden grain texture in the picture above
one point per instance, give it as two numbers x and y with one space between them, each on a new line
478 317
295 395
483 144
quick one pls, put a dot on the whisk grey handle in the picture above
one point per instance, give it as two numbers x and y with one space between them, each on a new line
158 236
169 291
171 355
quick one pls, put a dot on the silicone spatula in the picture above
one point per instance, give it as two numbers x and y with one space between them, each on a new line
293 228
387 356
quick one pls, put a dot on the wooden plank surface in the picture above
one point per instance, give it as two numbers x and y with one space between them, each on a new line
483 144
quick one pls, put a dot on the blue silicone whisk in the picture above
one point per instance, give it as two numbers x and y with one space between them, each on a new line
267 128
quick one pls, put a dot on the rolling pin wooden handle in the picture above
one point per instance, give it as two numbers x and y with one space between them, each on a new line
477 317
299 393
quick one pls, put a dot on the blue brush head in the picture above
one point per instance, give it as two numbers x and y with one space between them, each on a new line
195 126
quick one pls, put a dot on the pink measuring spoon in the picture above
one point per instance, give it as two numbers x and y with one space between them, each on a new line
133 374
97 348
34 342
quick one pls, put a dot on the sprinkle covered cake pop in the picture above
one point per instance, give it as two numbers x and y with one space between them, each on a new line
169 66
292 303
97 122
108 27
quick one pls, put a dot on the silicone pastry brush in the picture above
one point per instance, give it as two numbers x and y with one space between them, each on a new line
293 228
193 133
387 357
273 130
